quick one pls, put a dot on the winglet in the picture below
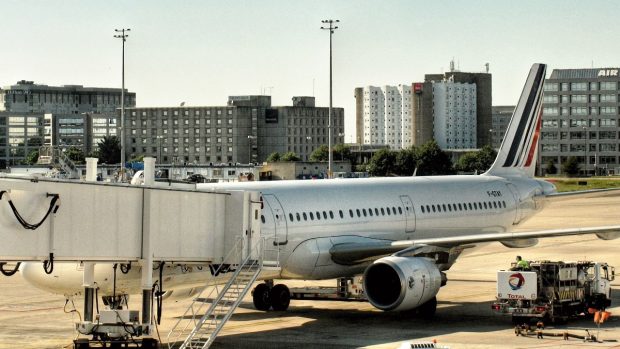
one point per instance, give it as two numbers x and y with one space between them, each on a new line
517 155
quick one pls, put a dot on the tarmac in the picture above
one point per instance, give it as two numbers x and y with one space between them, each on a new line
30 318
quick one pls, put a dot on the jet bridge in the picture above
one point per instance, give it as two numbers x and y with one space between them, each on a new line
94 221
52 221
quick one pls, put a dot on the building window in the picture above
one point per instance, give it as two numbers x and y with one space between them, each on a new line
551 86
579 86
608 86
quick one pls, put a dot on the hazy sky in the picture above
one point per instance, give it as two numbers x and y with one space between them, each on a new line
200 52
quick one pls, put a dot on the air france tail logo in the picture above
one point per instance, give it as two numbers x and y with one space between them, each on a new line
516 281
527 132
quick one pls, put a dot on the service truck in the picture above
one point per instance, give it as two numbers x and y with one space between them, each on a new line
553 291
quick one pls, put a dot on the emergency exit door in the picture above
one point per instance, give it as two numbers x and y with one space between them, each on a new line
409 213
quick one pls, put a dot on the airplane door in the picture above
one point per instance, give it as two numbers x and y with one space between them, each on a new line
281 235
409 213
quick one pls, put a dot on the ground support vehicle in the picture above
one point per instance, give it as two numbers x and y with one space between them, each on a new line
553 291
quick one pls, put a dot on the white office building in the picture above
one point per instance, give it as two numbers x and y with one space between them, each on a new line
454 114
387 116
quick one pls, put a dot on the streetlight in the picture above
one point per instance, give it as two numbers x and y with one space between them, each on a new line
250 138
123 37
585 150
331 29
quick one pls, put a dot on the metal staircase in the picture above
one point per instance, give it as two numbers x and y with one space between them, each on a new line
49 155
209 312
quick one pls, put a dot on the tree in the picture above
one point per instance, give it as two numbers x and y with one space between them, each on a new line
76 155
109 150
551 169
433 161
382 163
320 154
342 152
478 161
406 161
290 156
273 157
571 166
32 158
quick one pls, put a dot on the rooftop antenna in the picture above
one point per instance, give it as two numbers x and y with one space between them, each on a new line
452 65
486 66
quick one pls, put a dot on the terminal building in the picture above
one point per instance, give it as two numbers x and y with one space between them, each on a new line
580 119
501 115
246 130
32 115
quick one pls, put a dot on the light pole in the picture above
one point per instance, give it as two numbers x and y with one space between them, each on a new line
250 138
123 38
330 159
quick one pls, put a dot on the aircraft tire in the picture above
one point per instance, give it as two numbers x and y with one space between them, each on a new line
261 297
427 310
280 297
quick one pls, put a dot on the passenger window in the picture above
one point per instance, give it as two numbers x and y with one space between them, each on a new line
495 204
262 218
290 217
370 212
438 208
318 215
305 216
341 214
331 214
394 210
358 212
504 202
298 217
388 211
469 204
324 215
460 207
450 207
428 209
382 211
444 208
485 205
433 208
351 213
400 210
422 208
376 212
311 216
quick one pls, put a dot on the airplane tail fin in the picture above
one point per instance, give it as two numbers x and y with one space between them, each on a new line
517 155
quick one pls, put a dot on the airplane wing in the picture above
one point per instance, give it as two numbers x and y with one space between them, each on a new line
570 195
357 252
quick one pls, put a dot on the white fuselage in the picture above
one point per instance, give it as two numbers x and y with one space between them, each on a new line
392 209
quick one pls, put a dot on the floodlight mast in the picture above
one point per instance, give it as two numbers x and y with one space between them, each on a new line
123 36
331 29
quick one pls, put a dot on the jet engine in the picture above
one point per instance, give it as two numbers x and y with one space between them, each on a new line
401 283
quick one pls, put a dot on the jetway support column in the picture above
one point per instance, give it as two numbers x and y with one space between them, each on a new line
89 290
88 280
147 251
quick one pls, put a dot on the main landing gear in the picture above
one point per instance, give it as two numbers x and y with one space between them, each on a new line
266 296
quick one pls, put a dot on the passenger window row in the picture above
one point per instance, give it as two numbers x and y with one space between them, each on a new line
358 212
469 206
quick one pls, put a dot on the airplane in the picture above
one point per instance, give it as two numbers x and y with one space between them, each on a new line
402 234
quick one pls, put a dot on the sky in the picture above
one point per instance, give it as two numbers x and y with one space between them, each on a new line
202 51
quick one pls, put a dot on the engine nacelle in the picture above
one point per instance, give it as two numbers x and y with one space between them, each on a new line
401 283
